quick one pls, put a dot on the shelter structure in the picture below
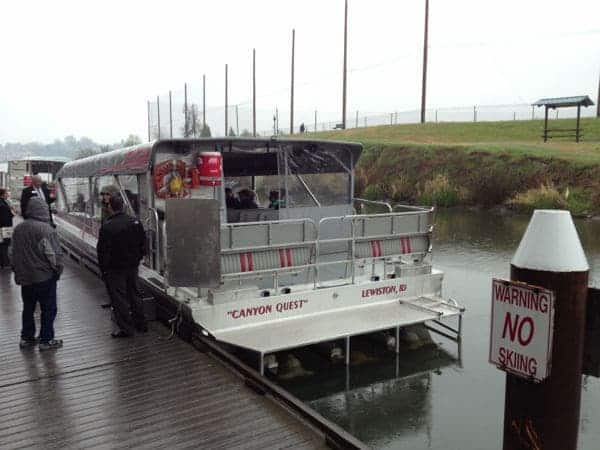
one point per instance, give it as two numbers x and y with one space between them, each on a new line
563 102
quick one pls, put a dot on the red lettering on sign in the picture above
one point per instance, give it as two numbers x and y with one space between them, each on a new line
522 297
517 361
516 329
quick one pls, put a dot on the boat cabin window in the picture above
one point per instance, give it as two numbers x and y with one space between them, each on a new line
130 186
260 182
99 183
77 192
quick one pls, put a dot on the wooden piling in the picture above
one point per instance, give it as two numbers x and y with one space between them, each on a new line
545 415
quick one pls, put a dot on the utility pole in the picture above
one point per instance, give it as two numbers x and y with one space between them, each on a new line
345 64
315 120
254 92
226 106
237 121
203 101
425 40
292 87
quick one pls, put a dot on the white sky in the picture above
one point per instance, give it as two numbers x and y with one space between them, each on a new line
88 67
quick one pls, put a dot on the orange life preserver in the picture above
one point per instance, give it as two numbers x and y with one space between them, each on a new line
170 179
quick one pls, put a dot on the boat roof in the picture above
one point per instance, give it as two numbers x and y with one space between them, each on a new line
61 159
139 158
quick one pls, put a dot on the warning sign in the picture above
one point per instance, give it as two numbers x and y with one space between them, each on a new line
521 329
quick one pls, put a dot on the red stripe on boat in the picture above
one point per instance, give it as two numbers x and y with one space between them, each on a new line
281 258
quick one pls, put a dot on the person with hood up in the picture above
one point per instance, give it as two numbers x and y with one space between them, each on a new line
105 194
37 263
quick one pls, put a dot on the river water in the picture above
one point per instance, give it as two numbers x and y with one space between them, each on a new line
431 398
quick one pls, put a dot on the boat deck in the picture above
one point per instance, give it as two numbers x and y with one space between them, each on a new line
146 391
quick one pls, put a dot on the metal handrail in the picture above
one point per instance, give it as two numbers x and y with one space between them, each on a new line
268 224
156 237
373 202
166 272
414 207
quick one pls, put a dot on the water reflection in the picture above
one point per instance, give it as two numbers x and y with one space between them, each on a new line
383 402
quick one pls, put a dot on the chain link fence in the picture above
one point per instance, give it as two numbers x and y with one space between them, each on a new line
182 113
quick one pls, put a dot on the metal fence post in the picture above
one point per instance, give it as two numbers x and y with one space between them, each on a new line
203 101
185 111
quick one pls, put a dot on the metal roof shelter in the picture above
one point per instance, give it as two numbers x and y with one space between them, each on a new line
563 102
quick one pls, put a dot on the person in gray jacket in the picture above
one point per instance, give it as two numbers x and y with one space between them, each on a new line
37 263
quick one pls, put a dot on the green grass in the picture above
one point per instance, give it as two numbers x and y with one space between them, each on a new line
479 164
516 138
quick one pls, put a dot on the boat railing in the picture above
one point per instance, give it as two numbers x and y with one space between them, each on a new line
153 216
364 202
270 249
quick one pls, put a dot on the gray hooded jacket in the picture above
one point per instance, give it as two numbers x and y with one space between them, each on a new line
36 253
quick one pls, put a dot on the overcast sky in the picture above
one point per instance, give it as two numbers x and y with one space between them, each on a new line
88 67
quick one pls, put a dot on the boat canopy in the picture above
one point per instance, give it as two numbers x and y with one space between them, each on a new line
241 156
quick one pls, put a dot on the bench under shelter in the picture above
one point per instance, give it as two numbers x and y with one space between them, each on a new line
563 102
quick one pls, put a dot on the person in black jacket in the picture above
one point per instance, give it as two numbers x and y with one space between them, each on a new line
37 189
6 220
121 246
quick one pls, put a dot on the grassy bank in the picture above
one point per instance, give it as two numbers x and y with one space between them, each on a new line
480 164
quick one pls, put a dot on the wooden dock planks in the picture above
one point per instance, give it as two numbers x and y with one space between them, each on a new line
124 393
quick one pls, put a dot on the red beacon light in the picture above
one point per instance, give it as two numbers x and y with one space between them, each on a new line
27 180
210 168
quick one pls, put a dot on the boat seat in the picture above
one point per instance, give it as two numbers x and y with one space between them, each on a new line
266 259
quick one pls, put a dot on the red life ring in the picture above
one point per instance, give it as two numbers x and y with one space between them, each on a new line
163 176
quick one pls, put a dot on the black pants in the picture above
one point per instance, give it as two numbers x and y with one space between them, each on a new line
43 293
4 260
126 304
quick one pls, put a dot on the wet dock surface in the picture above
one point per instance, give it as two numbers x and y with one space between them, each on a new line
144 391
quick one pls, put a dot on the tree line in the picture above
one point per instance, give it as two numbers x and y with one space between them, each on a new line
70 147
